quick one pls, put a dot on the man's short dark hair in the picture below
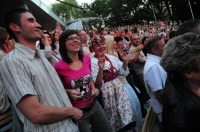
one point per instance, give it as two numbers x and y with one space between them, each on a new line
14 16
153 43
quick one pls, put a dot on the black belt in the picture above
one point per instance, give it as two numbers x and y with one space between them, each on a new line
88 107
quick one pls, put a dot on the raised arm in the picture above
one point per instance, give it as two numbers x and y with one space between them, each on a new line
99 78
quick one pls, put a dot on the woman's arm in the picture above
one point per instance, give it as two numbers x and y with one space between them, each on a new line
99 78
95 91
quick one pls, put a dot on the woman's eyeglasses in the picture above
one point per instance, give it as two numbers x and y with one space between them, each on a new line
73 38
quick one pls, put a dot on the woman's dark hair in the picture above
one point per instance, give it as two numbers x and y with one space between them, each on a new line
144 39
63 49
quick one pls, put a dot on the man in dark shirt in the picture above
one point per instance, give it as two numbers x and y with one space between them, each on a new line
181 97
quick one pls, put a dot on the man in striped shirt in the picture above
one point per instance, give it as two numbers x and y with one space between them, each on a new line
31 82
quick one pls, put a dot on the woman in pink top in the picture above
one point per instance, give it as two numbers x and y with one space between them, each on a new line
75 72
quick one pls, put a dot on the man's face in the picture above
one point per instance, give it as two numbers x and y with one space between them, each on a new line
129 33
83 36
120 44
105 33
135 40
122 34
29 28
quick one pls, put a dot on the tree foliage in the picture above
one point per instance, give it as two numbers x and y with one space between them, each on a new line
67 12
127 12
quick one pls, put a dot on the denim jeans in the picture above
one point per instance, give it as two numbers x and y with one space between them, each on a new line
94 120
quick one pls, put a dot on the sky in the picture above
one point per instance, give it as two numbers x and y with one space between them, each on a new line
78 1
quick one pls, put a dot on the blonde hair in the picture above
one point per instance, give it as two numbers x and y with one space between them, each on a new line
110 49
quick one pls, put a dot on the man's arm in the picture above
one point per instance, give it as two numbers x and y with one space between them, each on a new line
43 114
155 82
158 95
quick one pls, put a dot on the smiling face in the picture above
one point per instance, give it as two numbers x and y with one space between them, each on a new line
83 36
73 43
99 48
29 30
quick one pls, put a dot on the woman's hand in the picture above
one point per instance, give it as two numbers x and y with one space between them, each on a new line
125 57
74 94
95 92
44 40
101 61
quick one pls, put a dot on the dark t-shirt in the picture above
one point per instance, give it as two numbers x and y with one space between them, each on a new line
181 109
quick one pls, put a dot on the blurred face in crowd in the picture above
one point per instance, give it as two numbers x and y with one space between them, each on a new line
83 36
122 33
113 34
117 33
105 33
73 43
135 40
138 31
94 34
129 33
56 36
145 41
120 44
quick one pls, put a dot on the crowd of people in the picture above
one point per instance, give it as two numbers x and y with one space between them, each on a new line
99 80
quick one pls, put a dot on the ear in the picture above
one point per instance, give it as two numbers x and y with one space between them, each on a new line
14 27
154 50
188 75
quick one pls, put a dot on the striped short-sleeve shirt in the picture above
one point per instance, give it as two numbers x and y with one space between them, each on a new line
23 73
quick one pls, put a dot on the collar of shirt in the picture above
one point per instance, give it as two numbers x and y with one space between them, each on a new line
29 52
154 58
85 45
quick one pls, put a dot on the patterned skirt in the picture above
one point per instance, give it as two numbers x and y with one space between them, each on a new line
117 105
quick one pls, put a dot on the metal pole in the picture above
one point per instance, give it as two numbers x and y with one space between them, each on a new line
154 15
191 9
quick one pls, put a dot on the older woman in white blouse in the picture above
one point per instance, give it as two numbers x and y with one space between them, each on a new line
105 70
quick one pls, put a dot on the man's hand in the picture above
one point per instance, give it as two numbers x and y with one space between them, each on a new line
77 114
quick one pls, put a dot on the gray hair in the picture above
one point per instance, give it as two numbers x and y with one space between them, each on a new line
181 55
